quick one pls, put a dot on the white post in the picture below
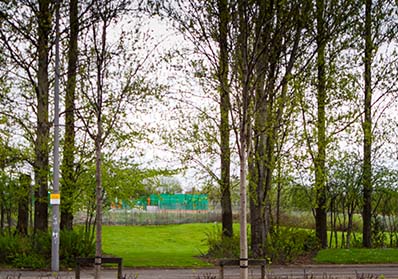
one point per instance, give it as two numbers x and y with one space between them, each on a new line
244 260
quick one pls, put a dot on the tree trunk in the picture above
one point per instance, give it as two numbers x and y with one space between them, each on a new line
226 206
68 177
262 115
100 60
332 227
344 226
349 230
367 131
278 195
320 185
98 178
41 164
243 133
2 218
258 173
9 218
23 205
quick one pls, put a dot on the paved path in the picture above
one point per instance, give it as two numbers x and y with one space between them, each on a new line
274 272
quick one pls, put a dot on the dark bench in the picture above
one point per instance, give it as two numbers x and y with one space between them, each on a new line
89 261
234 262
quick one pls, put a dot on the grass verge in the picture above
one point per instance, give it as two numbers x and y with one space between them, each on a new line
180 246
357 256
157 246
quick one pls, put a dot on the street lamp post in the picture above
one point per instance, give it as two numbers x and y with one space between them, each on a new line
55 197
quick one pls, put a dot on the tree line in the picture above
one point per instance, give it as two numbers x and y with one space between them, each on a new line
298 85
283 90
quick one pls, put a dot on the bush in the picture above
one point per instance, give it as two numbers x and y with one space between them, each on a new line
33 261
221 247
11 246
283 246
41 244
74 244
35 251
286 245
378 235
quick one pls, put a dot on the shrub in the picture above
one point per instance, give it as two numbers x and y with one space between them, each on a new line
378 236
221 247
12 246
73 244
286 245
41 244
33 261
35 251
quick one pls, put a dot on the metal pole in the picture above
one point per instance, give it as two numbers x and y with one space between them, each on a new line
55 197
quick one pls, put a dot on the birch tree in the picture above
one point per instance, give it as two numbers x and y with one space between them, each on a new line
113 86
278 32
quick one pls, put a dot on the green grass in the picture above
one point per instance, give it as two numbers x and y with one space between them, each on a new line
357 256
157 246
180 246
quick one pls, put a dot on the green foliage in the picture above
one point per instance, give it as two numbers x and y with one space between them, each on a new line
35 251
41 244
75 243
286 245
24 251
283 246
221 247
378 236
11 246
122 180
33 261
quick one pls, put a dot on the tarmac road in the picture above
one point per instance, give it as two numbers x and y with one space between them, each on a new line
273 272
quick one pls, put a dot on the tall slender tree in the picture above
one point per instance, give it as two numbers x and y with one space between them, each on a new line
26 38
105 103
41 163
319 162
207 24
244 98
367 129
68 182
223 69
277 37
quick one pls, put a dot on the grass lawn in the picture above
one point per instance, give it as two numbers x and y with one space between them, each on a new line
180 246
157 246
357 256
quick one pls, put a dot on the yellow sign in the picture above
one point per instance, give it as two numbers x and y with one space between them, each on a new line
55 198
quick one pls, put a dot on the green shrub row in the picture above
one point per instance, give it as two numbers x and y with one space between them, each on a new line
284 245
35 251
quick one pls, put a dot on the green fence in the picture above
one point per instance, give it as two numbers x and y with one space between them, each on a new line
167 202
178 201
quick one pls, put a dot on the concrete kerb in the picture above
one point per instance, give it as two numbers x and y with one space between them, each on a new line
273 271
